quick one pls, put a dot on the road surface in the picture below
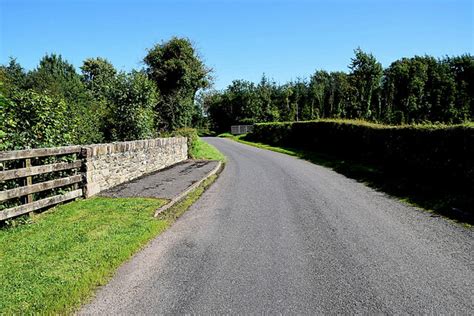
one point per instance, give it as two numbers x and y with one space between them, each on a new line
275 234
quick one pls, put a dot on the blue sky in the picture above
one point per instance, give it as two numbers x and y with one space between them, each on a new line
239 39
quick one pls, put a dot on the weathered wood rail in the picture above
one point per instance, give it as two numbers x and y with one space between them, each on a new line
23 174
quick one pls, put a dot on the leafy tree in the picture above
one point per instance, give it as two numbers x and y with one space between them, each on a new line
99 77
12 77
266 92
340 91
57 77
366 75
219 112
134 98
319 86
178 73
462 68
424 89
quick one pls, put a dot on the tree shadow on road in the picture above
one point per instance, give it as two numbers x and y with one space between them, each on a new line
427 190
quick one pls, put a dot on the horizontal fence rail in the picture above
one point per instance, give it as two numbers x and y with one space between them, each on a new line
38 187
36 205
40 152
32 171
56 182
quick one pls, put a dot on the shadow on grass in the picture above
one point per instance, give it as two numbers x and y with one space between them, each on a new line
428 191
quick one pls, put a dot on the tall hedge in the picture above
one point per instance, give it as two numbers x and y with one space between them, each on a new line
442 156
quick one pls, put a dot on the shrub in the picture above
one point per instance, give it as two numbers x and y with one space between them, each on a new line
31 120
191 135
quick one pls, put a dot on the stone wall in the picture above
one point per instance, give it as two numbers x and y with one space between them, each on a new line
107 165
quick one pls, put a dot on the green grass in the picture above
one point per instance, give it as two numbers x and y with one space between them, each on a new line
404 189
54 263
203 150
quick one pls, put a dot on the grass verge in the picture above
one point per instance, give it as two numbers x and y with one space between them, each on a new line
203 150
405 190
54 263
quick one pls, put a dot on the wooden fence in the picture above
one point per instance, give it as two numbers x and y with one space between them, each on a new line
28 191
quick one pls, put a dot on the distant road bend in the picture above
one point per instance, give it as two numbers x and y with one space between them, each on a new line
275 234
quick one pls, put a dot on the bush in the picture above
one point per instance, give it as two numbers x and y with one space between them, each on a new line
191 135
31 120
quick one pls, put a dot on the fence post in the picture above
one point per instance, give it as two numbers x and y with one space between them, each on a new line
29 180
84 155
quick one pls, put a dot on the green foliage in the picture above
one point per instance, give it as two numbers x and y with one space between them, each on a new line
366 75
433 159
54 264
133 100
410 91
104 105
55 76
424 89
178 73
12 78
99 77
192 136
31 120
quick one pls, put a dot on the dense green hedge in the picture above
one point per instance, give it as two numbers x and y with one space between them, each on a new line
440 155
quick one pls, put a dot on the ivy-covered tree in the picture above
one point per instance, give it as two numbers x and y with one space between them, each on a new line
178 73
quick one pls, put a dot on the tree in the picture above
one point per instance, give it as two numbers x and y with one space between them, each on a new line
462 68
319 86
12 78
178 73
266 90
134 98
366 75
218 111
100 79
57 77
423 89
99 76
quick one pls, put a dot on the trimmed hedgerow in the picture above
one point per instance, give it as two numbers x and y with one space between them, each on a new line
439 156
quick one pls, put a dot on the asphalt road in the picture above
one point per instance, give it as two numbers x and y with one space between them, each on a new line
275 234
